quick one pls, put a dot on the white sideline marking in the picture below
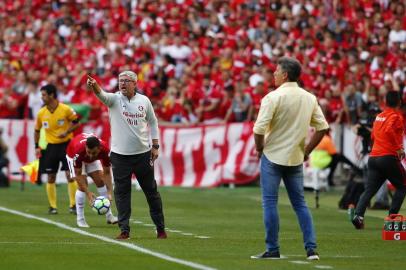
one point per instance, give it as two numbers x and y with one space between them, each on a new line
299 262
103 238
170 230
316 266
47 243
324 256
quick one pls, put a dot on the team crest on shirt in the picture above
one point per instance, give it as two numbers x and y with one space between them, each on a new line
61 122
141 108
45 124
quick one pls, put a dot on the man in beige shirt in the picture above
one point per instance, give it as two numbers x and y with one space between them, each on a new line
280 132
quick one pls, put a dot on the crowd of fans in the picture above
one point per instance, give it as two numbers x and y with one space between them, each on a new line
202 61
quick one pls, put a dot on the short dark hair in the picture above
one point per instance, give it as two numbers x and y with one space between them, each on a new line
292 67
50 89
92 142
392 99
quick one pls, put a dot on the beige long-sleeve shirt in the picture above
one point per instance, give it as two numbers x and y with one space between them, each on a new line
284 118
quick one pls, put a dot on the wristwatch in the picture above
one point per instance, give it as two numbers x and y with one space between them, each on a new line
156 146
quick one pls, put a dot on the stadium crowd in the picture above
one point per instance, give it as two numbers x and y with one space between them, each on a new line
202 61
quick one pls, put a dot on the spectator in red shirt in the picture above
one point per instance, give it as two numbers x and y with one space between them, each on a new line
209 109
8 104
87 153
385 158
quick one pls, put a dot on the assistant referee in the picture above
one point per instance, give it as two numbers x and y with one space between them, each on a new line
59 121
131 114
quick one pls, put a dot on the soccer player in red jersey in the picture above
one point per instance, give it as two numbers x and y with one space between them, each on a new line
87 155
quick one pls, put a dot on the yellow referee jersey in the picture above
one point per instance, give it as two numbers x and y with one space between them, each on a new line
56 123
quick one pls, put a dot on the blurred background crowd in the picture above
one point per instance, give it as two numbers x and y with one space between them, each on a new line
206 61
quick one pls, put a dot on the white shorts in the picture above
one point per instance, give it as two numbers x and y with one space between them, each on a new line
86 167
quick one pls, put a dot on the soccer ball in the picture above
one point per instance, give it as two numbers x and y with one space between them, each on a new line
101 205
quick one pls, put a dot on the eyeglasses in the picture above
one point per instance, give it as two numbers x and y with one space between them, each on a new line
125 81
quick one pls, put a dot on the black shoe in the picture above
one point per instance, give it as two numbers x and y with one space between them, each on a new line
358 222
72 210
52 211
267 255
312 255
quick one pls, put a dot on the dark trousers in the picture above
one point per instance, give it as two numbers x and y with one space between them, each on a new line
124 166
380 169
337 158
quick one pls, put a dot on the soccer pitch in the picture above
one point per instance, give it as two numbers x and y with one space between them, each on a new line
207 229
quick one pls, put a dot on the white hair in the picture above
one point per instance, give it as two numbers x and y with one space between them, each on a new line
130 74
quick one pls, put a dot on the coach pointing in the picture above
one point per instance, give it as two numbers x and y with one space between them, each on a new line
131 152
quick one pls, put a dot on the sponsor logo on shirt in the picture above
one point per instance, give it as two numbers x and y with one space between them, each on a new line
134 115
380 119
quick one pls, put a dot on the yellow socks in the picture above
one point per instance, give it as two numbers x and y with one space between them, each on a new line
51 193
72 187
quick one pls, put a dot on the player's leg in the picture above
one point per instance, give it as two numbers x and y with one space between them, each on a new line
80 197
95 171
72 186
144 171
80 194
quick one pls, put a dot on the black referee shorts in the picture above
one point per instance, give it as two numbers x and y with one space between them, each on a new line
53 155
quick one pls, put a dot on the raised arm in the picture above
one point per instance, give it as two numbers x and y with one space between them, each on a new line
106 98
93 85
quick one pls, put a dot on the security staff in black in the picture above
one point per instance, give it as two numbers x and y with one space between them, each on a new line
384 161
131 151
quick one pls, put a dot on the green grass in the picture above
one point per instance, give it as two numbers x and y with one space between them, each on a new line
232 218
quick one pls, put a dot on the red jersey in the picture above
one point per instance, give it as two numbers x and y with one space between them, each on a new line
77 151
387 133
